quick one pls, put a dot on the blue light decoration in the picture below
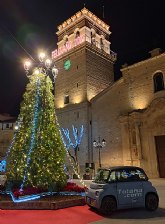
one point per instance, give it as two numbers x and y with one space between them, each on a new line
37 196
66 171
77 137
2 166
69 144
25 198
33 131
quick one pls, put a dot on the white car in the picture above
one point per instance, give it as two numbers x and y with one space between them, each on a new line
121 187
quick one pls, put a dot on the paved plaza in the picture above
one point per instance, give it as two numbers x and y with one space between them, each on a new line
84 215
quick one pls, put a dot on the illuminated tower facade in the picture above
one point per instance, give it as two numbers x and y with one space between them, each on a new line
85 64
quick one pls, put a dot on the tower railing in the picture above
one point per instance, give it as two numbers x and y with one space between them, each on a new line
98 45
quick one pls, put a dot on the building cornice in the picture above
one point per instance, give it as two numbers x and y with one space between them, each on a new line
84 13
143 62
86 45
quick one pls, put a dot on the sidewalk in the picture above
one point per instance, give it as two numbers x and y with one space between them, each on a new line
158 181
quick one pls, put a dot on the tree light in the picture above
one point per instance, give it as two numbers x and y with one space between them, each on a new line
27 65
36 71
41 56
48 62
16 127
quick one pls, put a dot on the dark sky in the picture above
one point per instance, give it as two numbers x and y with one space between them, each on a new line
137 27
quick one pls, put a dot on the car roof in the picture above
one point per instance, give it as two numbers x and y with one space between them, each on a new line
122 167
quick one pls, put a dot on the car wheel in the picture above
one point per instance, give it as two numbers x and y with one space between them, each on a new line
152 202
108 205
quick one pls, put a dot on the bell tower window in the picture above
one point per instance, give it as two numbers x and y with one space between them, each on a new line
93 36
77 34
101 44
66 40
158 82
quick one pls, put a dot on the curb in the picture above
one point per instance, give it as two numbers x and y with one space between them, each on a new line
41 205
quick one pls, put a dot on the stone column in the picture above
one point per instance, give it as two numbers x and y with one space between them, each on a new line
138 140
127 154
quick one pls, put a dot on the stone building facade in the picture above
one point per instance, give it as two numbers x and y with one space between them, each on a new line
130 115
127 113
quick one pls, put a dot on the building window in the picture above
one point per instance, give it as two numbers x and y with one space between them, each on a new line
77 33
66 40
158 82
93 36
93 41
66 99
7 126
101 44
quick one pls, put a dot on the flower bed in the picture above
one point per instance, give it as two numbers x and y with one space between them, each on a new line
71 195
70 189
74 188
27 191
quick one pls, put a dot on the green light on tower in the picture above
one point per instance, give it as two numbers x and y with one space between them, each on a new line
67 64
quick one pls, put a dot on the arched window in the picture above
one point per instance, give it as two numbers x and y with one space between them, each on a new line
93 36
158 82
101 44
77 33
66 39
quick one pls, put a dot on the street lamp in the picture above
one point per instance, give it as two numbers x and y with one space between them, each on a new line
99 145
44 66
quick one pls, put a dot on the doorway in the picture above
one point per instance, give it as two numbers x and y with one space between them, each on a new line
160 148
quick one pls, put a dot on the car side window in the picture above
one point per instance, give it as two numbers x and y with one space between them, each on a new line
112 176
141 175
131 175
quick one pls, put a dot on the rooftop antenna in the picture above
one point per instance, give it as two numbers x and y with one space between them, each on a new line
103 13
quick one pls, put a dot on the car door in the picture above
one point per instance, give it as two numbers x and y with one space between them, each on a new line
129 189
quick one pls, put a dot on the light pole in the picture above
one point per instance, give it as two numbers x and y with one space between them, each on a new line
44 66
98 144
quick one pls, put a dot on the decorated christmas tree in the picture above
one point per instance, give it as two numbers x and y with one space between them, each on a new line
36 157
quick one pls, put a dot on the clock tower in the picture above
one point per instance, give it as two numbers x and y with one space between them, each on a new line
85 64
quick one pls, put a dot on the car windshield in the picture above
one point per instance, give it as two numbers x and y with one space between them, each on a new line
102 176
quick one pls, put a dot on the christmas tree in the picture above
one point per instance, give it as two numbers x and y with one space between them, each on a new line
37 154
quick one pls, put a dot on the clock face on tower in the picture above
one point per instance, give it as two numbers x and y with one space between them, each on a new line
67 64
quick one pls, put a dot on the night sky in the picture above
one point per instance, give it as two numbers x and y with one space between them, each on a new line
26 26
